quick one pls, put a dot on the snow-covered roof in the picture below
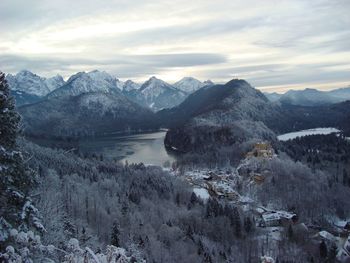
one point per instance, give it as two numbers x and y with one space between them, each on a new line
266 259
326 235
276 215
271 216
202 193
341 223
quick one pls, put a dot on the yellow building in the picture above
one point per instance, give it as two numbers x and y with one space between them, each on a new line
262 150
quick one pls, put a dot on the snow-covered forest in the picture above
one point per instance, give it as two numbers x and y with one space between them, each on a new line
262 202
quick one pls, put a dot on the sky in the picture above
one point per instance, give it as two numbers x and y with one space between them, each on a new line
274 45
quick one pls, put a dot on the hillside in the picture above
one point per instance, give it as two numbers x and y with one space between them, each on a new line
85 115
220 114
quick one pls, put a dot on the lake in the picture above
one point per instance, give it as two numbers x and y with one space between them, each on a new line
293 135
146 147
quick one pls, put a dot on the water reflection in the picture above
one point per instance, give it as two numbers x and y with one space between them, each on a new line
147 148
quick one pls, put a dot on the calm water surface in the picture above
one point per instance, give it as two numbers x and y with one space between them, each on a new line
146 147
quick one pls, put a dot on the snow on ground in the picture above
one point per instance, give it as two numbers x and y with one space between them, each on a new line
202 193
293 135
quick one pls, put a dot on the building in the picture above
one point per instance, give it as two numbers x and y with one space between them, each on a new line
266 259
261 150
223 189
278 218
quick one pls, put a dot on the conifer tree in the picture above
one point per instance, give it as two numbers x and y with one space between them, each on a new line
323 249
115 235
16 179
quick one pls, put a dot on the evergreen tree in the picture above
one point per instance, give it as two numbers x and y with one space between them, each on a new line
247 225
177 199
16 180
193 198
333 253
290 232
345 177
237 222
323 249
115 241
9 118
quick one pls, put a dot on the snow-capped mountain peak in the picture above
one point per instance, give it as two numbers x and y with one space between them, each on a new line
154 87
54 82
190 84
130 85
33 84
120 84
208 82
82 82
160 94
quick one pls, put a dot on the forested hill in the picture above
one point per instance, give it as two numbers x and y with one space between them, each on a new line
87 114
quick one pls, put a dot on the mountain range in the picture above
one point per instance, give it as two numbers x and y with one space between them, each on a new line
310 97
91 103
96 103
31 83
82 82
155 94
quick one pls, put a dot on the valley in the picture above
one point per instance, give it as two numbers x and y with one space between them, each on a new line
175 131
232 167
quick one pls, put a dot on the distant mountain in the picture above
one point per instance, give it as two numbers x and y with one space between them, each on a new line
341 94
220 114
33 84
159 94
23 98
120 84
132 91
311 97
190 85
274 96
306 97
131 85
82 82
86 114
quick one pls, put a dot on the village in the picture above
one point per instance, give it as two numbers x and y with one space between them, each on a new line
272 223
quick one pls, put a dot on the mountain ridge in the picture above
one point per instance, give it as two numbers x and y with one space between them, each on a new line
310 97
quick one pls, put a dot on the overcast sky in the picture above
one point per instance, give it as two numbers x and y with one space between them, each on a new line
275 45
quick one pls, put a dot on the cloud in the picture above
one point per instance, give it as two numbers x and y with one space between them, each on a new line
291 42
131 64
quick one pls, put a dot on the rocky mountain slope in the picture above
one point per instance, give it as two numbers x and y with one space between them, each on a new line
190 84
82 82
159 94
132 91
31 83
27 87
